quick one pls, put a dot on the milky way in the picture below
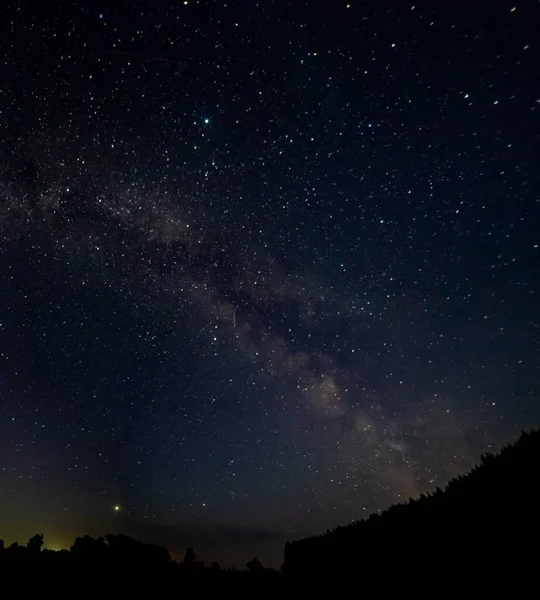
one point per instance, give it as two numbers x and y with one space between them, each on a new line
266 267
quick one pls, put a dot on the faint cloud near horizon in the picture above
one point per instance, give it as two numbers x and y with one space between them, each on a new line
230 544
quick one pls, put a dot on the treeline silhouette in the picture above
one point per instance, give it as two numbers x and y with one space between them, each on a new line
484 524
113 552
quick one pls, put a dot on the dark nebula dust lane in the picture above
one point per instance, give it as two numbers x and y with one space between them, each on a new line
265 268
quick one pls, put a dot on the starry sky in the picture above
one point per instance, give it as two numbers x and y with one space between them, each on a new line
266 266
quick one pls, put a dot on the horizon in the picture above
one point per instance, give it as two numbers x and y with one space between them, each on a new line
241 564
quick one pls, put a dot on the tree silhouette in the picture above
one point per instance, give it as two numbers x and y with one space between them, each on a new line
255 566
189 557
35 543
89 548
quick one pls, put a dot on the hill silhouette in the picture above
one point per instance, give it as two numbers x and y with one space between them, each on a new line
484 522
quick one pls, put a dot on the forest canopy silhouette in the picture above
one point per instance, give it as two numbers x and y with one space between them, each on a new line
488 517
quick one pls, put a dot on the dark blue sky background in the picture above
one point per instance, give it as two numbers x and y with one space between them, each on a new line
266 267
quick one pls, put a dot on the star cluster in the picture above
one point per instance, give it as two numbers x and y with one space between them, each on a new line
266 267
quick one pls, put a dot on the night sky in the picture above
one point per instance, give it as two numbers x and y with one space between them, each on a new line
265 267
